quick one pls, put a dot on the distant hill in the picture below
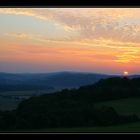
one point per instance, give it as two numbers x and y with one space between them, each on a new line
60 80
134 76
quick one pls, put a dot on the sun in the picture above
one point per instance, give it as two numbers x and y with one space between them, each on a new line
125 73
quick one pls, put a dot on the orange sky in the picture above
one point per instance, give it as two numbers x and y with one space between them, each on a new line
105 40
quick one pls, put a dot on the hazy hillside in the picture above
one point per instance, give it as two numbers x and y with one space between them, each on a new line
30 81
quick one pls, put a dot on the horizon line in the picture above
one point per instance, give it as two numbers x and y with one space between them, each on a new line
88 72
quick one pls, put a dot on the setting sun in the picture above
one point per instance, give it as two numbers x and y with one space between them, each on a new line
125 73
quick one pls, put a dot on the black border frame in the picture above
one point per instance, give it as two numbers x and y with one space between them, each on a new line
69 4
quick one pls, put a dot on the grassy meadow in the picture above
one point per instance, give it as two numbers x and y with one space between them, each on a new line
124 106
125 128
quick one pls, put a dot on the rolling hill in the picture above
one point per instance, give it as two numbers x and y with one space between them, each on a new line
60 80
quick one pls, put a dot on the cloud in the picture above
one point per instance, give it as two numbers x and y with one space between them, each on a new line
110 28
19 35
90 22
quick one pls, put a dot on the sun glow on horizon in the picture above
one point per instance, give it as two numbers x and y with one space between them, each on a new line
125 73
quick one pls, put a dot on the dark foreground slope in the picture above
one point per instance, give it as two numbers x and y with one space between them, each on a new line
74 108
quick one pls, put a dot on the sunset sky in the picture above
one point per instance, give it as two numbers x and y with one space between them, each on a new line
102 40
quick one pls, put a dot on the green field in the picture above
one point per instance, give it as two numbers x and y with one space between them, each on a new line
131 127
126 128
124 106
8 104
